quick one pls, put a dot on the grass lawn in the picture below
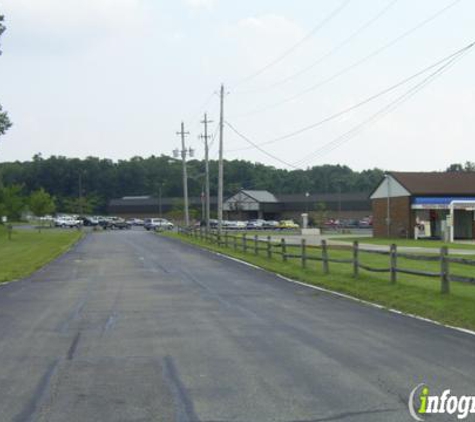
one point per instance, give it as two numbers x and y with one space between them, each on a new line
29 250
412 294
406 242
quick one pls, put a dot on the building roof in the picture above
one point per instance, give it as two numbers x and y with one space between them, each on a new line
437 183
323 197
261 195
138 201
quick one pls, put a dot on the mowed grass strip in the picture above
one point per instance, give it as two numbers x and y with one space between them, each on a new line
411 294
436 244
29 250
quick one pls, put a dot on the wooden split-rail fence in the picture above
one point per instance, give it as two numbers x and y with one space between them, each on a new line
285 251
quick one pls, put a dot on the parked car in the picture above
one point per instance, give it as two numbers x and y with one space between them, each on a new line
89 221
234 225
288 225
105 222
157 224
270 225
366 222
119 223
350 223
135 221
67 221
331 223
255 224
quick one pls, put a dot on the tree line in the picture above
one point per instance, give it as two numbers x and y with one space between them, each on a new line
88 184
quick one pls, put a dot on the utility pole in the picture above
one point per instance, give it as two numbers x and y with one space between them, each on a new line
160 199
184 152
207 195
220 166
80 192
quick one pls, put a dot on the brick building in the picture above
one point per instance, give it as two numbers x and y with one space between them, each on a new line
427 205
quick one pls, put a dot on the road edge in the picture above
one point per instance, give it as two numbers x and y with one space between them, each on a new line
55 258
329 291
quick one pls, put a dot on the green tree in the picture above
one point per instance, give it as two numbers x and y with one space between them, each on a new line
41 203
85 205
468 166
319 216
5 123
12 202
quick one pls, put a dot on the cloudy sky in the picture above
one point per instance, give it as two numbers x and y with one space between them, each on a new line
114 78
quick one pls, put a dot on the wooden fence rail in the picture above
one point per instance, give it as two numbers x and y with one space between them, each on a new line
266 247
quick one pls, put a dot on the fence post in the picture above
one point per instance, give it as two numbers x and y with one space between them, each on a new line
284 250
256 245
235 242
304 253
444 271
326 269
393 263
226 239
269 248
355 259
244 243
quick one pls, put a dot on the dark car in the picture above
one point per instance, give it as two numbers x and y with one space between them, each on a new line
89 221
119 223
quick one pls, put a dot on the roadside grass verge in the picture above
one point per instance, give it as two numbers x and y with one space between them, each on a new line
411 294
29 250
406 242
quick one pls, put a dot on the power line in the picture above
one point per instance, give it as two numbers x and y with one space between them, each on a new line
290 50
213 137
365 101
245 138
328 54
353 65
347 136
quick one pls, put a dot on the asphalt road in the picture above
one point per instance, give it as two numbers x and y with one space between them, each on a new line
132 327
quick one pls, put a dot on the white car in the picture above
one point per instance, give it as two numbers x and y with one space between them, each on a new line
157 224
67 221
135 222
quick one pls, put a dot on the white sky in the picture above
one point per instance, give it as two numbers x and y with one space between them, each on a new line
114 78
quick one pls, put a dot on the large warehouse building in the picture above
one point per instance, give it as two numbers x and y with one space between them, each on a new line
252 204
431 205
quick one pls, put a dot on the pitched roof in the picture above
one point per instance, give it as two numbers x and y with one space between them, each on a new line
261 195
437 183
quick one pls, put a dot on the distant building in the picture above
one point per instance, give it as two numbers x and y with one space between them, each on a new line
253 204
148 206
418 204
